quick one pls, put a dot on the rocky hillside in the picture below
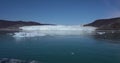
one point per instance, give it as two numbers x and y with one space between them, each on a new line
106 24
7 24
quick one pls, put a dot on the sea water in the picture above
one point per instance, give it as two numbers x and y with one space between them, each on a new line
59 47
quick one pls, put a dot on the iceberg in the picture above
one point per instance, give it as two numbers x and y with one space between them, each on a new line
53 30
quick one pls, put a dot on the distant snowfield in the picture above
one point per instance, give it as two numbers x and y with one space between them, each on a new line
53 30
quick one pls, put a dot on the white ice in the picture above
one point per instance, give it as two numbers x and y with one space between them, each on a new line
52 30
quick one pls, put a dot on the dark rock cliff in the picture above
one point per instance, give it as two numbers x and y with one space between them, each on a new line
106 24
8 24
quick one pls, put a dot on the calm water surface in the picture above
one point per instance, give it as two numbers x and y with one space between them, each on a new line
61 49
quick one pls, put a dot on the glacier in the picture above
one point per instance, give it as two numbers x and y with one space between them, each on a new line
53 30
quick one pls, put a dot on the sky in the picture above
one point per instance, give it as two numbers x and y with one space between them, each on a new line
67 12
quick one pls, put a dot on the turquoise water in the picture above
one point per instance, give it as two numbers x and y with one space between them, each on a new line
61 49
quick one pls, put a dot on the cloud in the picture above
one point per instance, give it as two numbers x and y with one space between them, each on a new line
116 14
113 8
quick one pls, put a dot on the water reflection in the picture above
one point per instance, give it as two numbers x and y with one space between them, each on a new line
112 36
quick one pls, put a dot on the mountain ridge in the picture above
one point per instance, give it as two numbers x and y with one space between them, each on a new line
7 25
106 24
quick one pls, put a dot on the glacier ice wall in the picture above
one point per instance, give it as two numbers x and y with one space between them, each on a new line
52 30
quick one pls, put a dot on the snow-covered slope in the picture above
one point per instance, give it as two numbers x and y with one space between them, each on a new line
33 31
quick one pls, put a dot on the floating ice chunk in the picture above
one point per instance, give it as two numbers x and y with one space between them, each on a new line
28 34
100 33
72 53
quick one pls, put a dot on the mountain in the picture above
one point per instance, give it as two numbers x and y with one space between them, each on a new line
106 24
6 25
